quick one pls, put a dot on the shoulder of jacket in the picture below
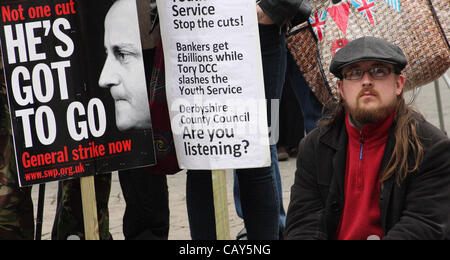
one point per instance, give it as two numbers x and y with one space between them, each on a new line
313 138
427 130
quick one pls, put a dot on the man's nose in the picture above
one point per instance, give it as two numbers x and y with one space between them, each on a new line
109 76
367 80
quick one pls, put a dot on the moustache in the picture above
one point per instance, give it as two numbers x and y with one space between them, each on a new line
368 92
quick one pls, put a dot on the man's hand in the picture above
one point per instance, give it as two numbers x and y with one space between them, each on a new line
263 18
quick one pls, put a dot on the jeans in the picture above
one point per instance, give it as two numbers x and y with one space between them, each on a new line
292 126
147 205
276 169
258 188
311 106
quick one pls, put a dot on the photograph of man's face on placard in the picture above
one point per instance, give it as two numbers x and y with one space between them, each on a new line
123 71
117 75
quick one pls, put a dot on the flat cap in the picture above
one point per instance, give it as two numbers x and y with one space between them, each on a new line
365 49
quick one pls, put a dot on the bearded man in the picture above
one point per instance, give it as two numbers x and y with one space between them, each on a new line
375 169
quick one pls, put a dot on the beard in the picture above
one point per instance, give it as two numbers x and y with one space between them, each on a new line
363 116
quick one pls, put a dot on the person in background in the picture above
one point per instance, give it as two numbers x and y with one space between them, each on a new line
16 205
259 195
145 190
147 213
376 169
300 100
300 111
310 109
292 128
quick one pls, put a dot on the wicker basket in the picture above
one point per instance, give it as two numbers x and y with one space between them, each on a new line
442 10
410 24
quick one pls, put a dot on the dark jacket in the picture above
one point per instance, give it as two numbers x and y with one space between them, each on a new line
283 11
418 209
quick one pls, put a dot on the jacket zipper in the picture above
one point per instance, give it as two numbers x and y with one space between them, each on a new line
362 149
359 178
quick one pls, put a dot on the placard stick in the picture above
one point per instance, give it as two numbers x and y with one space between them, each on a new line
89 208
221 205
40 212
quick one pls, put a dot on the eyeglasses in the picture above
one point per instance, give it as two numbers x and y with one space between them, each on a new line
375 73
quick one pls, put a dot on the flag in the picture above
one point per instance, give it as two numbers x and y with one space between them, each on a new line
366 8
340 14
317 22
394 4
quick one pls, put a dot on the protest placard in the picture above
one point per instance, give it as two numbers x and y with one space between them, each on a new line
215 85
76 87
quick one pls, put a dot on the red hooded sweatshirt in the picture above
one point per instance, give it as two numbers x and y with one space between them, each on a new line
361 215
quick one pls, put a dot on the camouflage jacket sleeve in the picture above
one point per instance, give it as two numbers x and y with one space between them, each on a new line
5 124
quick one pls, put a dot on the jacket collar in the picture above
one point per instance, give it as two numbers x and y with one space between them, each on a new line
332 135
335 135
375 132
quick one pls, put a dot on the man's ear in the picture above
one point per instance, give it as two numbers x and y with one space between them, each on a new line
400 84
340 88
